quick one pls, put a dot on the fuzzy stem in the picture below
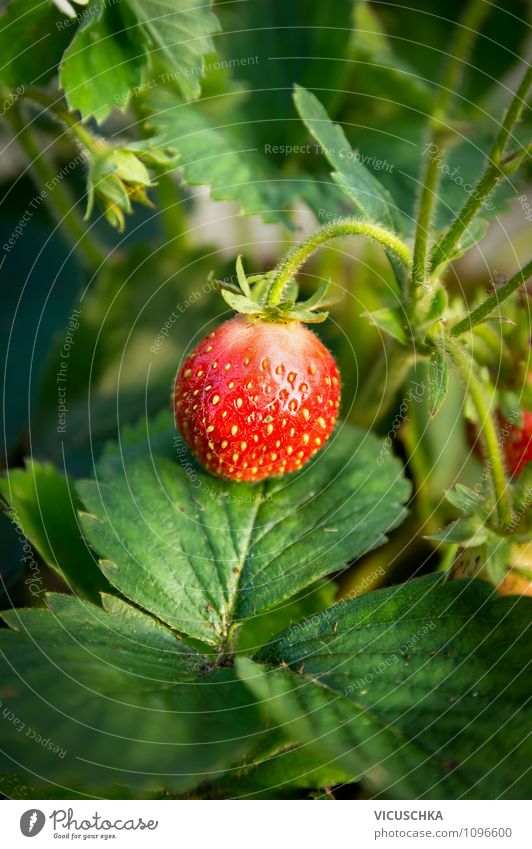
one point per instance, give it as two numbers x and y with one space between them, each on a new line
296 256
488 430
479 314
468 28
83 135
57 199
488 182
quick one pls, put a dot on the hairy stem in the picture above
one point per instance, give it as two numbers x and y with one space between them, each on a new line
484 309
467 31
56 197
488 430
75 127
490 179
298 255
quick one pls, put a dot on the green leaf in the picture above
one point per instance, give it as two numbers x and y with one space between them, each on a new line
97 700
273 44
44 504
33 35
468 531
438 381
464 498
390 321
104 62
240 303
214 154
377 68
180 33
402 163
368 195
262 627
316 298
421 688
281 772
241 277
200 552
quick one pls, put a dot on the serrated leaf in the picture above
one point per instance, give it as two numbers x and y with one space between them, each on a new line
107 699
104 62
468 531
438 381
281 50
422 688
200 552
366 192
262 627
44 503
210 154
181 35
32 39
390 321
280 772
464 498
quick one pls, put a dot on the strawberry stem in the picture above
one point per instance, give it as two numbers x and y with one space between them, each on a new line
488 430
298 255
484 309
60 204
75 127
490 179
467 31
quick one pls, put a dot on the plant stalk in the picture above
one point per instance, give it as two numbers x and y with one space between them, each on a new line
488 430
488 182
83 135
56 197
471 20
484 309
298 255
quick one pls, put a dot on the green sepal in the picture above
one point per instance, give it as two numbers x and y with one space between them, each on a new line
438 381
468 531
241 277
389 321
250 297
240 303
464 498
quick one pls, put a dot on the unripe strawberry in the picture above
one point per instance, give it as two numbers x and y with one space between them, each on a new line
257 398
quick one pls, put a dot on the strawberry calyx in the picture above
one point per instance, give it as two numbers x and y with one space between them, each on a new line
502 556
250 297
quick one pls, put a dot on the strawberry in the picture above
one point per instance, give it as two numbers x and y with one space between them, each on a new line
518 446
516 440
257 398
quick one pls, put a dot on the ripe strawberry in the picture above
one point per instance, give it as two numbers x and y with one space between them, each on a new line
518 446
257 398
516 440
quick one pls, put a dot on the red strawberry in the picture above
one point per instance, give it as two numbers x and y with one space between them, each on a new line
518 446
257 398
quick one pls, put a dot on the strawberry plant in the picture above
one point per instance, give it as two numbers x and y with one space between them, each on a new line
245 557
